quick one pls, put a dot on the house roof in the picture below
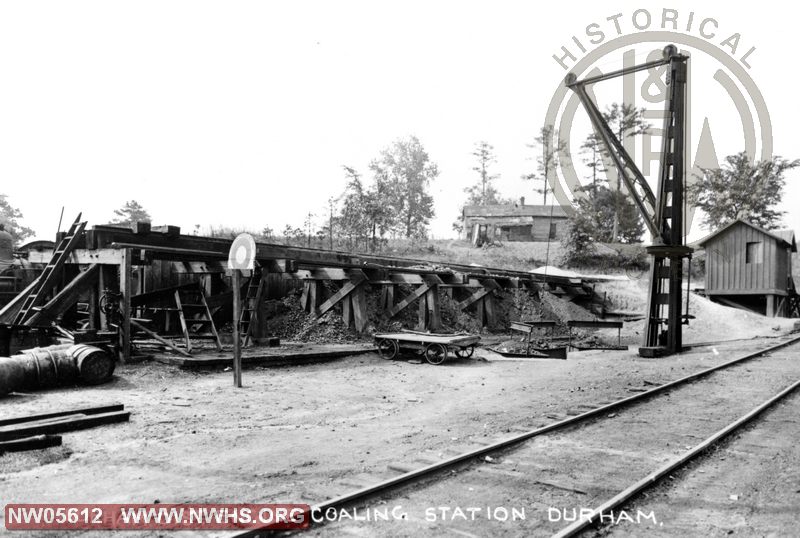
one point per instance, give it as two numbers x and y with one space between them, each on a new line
514 210
785 237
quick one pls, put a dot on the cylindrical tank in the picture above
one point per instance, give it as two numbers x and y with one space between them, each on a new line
53 366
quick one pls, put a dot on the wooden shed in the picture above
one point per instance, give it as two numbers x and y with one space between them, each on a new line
747 266
513 222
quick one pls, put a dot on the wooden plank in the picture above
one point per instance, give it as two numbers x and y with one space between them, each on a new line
159 295
406 278
529 326
478 295
595 324
399 307
329 273
155 336
66 298
30 443
336 297
54 414
125 307
16 431
182 317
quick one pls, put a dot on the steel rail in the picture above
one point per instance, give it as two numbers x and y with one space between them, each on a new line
661 472
391 483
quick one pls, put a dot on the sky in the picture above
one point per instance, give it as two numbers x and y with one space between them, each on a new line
242 114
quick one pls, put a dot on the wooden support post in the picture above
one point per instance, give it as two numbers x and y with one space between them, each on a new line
488 308
434 311
359 308
94 304
422 318
387 297
312 295
479 311
125 306
102 283
771 306
347 310
237 339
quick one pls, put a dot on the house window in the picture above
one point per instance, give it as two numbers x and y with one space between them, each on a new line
754 252
553 230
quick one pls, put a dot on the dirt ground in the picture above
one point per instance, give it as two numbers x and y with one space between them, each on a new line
300 433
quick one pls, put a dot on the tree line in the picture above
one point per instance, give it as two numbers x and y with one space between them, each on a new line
394 202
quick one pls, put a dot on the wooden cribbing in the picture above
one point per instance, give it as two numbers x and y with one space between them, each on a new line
346 290
399 307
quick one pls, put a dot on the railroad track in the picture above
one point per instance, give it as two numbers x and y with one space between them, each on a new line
584 462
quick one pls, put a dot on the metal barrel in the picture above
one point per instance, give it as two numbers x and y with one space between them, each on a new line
95 366
52 366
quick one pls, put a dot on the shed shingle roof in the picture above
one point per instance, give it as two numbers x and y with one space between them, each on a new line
514 210
785 237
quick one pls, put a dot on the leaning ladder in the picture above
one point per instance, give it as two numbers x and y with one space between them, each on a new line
250 306
52 272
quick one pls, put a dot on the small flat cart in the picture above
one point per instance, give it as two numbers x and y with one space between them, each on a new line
435 347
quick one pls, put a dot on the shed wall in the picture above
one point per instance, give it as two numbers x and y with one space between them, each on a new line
727 271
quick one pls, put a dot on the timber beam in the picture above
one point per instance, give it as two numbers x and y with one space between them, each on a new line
402 305
334 299
488 286
66 298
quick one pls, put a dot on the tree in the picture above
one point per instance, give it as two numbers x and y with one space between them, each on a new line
483 192
403 172
9 219
625 120
597 210
351 220
293 236
131 212
580 235
592 148
742 190
551 146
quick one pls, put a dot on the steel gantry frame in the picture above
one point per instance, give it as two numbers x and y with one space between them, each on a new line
663 211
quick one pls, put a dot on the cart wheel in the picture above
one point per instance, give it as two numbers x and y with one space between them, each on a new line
465 352
435 353
388 349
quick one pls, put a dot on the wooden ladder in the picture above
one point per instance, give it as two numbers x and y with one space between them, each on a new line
195 316
250 306
52 272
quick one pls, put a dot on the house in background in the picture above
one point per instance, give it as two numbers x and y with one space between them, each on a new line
513 222
749 267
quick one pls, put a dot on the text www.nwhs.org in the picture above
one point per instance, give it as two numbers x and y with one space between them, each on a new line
156 516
